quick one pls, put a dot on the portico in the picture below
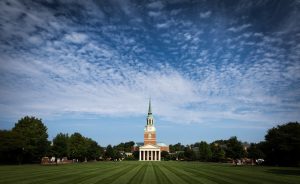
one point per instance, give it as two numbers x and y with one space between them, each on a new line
149 153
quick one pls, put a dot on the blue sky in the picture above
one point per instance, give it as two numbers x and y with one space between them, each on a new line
213 69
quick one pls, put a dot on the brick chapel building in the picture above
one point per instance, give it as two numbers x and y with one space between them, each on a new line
150 150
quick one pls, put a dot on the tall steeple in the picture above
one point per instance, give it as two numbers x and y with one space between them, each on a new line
150 120
149 109
150 131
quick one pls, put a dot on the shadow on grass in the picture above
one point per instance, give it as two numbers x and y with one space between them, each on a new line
285 171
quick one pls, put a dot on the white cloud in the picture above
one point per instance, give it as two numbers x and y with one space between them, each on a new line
205 14
154 14
239 28
156 5
72 94
166 24
36 40
76 37
175 12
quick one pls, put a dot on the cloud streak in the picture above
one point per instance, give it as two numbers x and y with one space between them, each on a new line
106 60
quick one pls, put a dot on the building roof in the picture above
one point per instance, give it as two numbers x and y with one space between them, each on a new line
162 144
150 146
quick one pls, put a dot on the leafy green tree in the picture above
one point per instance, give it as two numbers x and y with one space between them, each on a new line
218 153
128 146
282 145
33 137
136 155
11 147
110 152
180 155
234 148
165 155
205 151
118 155
78 147
176 147
189 154
119 147
61 146
94 151
254 151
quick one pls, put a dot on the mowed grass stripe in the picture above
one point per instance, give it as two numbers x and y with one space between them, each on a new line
18 171
56 172
94 178
139 176
80 177
208 172
237 175
216 176
147 172
57 175
241 174
46 172
171 176
32 175
259 174
203 178
234 177
125 178
149 176
161 177
213 177
187 177
97 175
115 174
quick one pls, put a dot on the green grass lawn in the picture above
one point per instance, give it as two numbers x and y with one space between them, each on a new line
148 172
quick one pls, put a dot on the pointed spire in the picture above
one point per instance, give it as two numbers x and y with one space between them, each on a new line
149 110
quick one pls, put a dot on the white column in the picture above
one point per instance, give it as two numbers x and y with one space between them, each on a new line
140 158
158 155
154 155
144 155
148 155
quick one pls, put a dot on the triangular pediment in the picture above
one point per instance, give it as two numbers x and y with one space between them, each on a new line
149 146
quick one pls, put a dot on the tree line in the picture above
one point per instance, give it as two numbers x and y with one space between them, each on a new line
27 142
281 147
217 151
